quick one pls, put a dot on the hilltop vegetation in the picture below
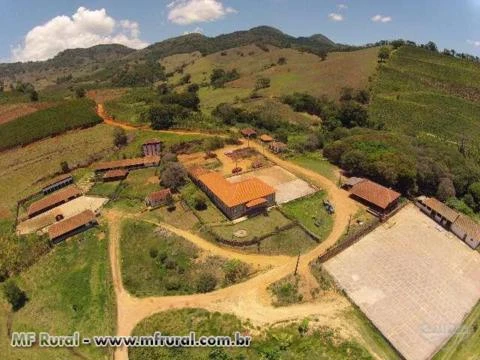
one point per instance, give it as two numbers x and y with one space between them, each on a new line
423 91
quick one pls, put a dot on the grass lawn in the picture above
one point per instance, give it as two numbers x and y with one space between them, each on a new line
211 215
179 217
69 290
466 343
289 242
281 342
139 184
25 170
156 262
316 162
310 210
256 226
104 189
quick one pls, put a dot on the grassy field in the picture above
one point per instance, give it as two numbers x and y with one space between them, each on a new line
303 72
139 184
25 170
69 290
282 342
311 212
129 106
466 343
422 91
316 162
156 262
47 122
211 215
285 291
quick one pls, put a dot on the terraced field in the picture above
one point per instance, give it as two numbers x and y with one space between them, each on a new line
422 91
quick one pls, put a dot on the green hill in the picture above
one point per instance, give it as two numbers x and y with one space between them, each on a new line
420 91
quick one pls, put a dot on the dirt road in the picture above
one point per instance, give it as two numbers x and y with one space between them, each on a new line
247 300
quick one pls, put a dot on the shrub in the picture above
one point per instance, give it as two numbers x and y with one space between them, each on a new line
174 175
206 283
153 253
120 137
14 295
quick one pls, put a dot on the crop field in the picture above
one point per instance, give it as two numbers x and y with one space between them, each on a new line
24 170
69 290
421 91
44 123
10 112
157 262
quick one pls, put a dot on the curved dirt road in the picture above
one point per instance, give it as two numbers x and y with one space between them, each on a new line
247 300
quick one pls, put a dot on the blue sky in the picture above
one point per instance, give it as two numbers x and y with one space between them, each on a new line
53 25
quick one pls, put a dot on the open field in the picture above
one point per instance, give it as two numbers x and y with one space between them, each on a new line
25 170
411 266
48 122
100 96
285 341
157 262
139 184
69 290
316 162
287 186
12 111
311 213
68 210
422 91
303 72
130 104
181 217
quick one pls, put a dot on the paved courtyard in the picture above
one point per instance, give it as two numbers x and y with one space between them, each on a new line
288 187
414 280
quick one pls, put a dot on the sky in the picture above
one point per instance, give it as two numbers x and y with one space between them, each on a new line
39 29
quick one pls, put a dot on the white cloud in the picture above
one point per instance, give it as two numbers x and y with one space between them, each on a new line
185 12
335 17
83 29
475 43
197 30
342 7
381 18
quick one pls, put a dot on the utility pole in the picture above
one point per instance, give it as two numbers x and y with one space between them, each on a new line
349 223
296 266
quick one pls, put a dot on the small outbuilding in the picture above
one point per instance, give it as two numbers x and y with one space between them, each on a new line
57 183
467 230
115 175
248 133
440 212
158 198
378 198
152 147
348 183
128 164
266 138
72 226
277 147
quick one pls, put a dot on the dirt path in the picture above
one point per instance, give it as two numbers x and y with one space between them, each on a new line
247 300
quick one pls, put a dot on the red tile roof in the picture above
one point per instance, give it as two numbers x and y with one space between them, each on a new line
58 179
65 226
54 199
118 164
442 209
248 132
152 142
266 138
197 171
234 194
115 174
159 195
468 225
375 194
256 202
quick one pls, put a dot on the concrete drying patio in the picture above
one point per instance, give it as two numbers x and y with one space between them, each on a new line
413 279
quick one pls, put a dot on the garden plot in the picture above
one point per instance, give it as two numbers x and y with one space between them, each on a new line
287 186
413 279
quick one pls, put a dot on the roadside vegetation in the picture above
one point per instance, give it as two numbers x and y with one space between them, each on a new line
156 262
285 291
303 340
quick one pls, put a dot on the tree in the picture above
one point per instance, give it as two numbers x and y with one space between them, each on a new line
80 92
185 79
282 61
474 192
64 166
431 46
33 96
174 175
323 55
206 283
163 117
164 89
397 43
445 189
120 137
14 295
199 201
384 53
352 114
346 94
362 96
193 88
262 83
